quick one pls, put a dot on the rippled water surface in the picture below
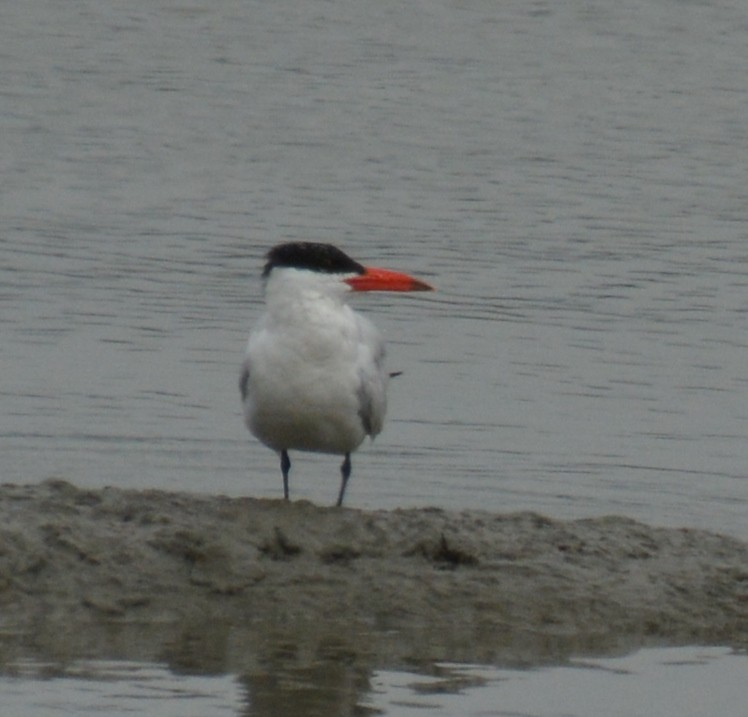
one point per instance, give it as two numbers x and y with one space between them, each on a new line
570 175
688 682
117 688
691 682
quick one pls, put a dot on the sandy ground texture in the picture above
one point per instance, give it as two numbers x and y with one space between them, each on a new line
209 578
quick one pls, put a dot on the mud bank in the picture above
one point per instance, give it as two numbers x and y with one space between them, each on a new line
159 571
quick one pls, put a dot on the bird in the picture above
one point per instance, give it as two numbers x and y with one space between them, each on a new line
314 375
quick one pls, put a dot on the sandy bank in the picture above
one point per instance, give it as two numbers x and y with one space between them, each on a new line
461 584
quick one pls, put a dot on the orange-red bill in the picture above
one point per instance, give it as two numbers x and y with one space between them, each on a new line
374 279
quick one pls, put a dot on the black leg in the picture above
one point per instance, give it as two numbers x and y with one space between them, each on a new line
345 472
285 467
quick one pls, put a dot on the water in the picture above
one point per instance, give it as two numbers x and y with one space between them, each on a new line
570 176
121 688
689 682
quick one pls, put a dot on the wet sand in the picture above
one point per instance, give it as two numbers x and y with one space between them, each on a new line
217 583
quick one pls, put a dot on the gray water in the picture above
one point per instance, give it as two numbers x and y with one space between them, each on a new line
688 682
571 175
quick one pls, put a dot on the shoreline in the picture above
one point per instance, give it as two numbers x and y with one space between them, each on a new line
118 571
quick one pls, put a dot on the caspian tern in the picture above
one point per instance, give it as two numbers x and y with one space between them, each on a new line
314 377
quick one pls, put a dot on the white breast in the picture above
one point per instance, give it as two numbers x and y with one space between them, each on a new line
316 375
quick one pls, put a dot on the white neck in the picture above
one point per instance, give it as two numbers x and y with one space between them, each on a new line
296 295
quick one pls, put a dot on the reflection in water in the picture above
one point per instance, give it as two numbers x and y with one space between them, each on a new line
672 681
295 673
300 670
117 689
330 688
298 680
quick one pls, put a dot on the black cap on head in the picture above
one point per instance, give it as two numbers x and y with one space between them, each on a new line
324 258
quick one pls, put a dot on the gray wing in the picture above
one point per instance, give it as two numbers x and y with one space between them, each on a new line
244 381
373 377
